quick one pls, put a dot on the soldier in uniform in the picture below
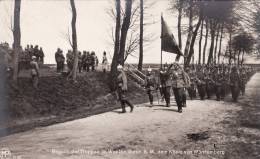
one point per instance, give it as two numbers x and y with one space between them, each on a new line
41 55
104 62
165 84
209 82
234 83
179 83
122 89
35 72
70 58
88 61
59 59
192 88
224 83
243 80
93 61
84 58
217 83
201 84
150 84
80 62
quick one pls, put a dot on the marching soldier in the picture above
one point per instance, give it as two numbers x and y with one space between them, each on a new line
201 84
192 88
224 83
179 83
234 83
243 80
165 84
217 83
150 84
209 83
122 89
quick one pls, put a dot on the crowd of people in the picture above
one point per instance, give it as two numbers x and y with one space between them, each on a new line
26 54
203 81
86 61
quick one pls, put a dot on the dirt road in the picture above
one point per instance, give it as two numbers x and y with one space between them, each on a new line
205 129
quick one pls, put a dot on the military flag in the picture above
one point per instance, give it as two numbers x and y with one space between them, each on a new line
168 42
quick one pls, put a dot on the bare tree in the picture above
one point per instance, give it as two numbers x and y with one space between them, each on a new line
140 63
200 41
124 30
116 46
74 40
206 42
17 38
188 41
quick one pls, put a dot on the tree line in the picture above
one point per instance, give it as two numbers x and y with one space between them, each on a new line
209 23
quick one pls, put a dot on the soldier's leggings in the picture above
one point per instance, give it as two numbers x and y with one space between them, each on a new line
202 91
166 91
123 100
208 90
192 92
178 94
223 91
243 87
150 95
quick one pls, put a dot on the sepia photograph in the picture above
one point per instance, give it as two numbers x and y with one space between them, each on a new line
129 79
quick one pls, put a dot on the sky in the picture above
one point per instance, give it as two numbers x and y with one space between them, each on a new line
47 23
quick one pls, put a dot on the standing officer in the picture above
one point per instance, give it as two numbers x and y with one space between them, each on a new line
150 84
165 84
179 83
122 89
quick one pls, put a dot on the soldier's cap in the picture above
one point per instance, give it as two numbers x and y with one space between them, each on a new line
149 69
33 57
119 67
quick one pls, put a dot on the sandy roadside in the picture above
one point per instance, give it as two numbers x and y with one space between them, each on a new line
157 132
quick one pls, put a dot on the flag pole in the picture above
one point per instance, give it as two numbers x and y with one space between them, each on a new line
161 38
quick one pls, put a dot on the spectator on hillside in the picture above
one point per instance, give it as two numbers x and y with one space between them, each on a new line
84 61
104 62
41 55
35 72
59 57
93 61
80 62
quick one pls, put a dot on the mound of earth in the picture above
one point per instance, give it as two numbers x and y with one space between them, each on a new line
59 100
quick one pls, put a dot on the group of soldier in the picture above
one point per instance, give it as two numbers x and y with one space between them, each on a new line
86 61
218 80
26 54
25 57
